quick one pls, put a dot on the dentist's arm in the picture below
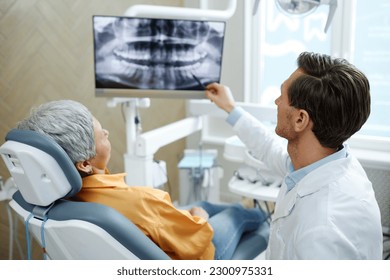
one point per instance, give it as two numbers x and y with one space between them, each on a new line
221 96
263 144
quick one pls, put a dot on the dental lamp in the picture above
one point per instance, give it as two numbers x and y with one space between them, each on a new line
303 8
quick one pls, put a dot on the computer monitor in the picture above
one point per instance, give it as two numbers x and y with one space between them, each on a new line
156 58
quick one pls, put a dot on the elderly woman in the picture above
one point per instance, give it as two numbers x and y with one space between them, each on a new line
206 231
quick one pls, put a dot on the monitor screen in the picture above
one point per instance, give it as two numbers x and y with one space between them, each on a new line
161 58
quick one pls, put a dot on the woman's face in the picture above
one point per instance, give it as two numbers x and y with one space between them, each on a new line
103 148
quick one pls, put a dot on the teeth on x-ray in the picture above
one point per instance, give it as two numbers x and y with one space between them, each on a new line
165 56
153 53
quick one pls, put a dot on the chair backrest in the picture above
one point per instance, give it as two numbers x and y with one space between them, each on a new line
45 176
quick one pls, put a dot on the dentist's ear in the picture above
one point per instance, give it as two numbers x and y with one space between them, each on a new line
302 120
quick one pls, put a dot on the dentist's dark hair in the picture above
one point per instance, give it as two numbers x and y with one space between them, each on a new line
335 94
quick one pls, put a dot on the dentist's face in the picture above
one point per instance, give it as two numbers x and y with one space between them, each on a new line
285 116
154 53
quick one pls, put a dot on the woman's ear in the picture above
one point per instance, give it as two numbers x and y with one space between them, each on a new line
302 120
84 166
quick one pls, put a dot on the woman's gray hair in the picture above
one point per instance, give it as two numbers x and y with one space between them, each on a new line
69 123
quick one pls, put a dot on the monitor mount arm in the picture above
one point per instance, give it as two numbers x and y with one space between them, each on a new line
140 166
202 13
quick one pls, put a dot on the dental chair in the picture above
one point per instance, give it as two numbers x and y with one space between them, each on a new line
45 177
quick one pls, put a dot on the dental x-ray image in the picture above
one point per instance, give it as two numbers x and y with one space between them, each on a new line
161 54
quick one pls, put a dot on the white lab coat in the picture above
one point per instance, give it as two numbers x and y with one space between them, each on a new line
331 213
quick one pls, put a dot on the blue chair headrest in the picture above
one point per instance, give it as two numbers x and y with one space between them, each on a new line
49 146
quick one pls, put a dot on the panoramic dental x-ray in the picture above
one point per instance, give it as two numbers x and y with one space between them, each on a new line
166 54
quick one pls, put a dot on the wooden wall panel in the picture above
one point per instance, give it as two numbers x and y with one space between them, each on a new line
46 53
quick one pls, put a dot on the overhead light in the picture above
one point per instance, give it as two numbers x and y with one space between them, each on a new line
303 8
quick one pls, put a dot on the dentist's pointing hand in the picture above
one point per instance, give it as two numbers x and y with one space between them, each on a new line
221 96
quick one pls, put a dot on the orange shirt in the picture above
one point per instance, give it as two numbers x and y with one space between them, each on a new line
179 234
